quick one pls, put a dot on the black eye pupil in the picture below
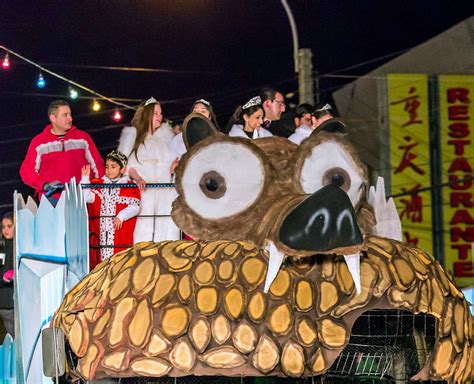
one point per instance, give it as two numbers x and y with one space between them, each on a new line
337 180
212 185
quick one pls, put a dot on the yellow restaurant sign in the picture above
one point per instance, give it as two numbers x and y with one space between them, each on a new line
456 97
408 110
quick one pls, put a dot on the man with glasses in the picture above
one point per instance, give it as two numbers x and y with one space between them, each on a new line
274 105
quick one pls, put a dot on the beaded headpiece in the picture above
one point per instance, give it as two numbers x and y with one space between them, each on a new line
252 102
326 107
119 157
151 100
203 101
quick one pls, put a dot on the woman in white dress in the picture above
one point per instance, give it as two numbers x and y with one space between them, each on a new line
248 119
147 145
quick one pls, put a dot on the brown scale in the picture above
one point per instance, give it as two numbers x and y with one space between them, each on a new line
148 325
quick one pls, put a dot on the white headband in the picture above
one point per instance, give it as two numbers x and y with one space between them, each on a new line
202 101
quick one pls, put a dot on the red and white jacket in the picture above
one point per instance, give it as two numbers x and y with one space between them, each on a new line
49 158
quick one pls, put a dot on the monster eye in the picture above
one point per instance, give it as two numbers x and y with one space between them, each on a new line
222 180
329 163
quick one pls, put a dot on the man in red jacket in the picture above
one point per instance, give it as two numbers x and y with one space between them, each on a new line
58 153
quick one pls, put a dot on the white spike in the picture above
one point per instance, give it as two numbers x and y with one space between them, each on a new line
274 264
353 264
388 221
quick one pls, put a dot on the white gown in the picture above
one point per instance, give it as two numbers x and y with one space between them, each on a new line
238 131
301 133
152 163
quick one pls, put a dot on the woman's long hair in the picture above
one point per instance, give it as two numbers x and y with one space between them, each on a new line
142 122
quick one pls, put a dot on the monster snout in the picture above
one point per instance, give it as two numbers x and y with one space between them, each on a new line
323 222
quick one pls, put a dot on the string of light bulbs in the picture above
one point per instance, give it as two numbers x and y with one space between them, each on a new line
73 85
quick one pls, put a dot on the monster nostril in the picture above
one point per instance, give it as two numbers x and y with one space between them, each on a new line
344 222
319 221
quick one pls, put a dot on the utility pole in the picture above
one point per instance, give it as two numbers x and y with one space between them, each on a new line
305 76
303 64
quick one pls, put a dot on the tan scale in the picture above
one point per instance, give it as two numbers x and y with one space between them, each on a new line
292 359
79 339
117 361
280 320
257 306
221 329
223 357
402 273
158 344
150 366
88 364
175 320
100 326
210 250
226 272
234 302
344 278
328 297
359 300
120 286
185 288
306 331
245 337
266 355
281 285
140 327
175 263
164 287
318 364
331 334
207 300
182 356
303 296
118 326
253 271
204 273
144 277
200 333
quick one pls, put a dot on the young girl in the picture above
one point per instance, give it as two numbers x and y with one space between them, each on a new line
247 120
112 210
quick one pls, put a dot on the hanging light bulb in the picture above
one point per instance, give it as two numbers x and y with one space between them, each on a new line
40 83
117 115
6 62
73 93
96 106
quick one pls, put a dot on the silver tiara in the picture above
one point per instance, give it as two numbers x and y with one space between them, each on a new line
151 100
326 107
252 102
203 101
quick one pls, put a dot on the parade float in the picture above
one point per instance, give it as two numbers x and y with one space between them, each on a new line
291 250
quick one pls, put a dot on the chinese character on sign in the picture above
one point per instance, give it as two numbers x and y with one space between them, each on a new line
412 103
410 240
413 209
408 157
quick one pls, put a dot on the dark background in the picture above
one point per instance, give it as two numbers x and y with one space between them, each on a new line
223 50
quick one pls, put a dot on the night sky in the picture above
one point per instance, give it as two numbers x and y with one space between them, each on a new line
223 50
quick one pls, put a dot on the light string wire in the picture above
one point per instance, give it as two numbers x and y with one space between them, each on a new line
69 81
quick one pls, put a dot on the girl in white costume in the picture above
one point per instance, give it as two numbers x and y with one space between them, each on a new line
247 120
146 144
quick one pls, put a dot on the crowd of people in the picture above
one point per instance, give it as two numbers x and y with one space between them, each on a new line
148 152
